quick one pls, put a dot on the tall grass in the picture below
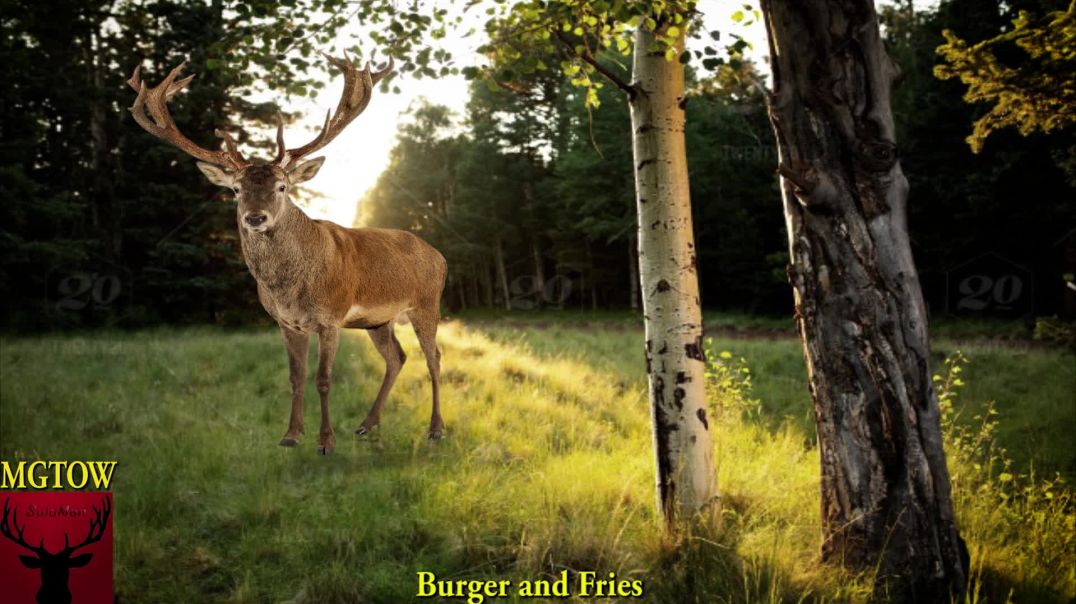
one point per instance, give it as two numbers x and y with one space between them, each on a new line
547 467
1020 527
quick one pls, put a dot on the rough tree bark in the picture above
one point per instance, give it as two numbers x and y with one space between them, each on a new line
886 501
686 480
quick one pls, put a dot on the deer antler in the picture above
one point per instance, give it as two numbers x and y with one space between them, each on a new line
358 89
97 527
164 127
6 530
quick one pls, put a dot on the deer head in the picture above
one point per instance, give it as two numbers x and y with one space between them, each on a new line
55 568
261 189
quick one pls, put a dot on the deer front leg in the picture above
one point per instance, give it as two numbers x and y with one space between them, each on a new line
328 341
384 339
297 345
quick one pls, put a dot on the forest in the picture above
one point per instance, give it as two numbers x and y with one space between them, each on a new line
529 195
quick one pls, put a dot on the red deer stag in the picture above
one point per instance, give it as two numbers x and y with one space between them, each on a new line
315 276
55 568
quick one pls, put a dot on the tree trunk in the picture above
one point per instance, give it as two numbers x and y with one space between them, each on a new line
487 284
473 285
593 281
633 275
686 480
885 486
103 210
502 274
539 275
461 291
582 290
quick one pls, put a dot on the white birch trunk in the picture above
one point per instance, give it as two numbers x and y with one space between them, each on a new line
686 480
633 274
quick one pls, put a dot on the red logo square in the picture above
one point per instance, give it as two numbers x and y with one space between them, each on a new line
56 547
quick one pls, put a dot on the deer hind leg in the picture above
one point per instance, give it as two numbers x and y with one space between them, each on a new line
328 341
297 345
384 339
425 323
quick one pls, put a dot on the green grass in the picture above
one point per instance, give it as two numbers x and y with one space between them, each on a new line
1033 387
547 467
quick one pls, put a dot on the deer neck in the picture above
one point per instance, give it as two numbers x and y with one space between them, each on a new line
284 257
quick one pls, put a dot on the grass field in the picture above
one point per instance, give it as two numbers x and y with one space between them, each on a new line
546 468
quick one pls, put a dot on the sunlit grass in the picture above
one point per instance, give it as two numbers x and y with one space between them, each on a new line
547 467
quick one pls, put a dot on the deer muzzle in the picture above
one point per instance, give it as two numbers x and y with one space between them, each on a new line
256 221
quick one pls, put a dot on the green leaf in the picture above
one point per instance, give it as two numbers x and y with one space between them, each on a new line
712 63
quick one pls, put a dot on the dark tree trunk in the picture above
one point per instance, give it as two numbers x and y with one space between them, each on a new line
460 292
476 300
502 273
886 500
539 275
487 285
105 220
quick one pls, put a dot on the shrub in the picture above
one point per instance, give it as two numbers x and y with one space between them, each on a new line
728 385
1020 528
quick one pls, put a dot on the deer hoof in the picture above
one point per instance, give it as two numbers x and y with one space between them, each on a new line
364 431
326 450
288 441
435 435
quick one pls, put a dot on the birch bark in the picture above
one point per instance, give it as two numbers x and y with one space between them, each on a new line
686 480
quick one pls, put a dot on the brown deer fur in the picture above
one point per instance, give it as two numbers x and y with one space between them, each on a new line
315 276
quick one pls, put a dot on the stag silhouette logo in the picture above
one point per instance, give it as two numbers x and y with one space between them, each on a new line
55 567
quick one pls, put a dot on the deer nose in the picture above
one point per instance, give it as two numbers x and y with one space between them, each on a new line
255 219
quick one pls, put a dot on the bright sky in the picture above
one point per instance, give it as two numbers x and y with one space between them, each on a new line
358 156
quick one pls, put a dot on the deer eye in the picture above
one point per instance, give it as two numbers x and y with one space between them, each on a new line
281 188
236 189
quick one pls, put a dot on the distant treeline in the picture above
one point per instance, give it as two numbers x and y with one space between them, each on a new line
529 196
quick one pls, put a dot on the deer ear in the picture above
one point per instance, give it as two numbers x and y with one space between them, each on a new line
30 562
217 175
78 561
306 170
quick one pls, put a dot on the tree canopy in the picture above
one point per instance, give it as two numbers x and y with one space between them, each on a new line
93 204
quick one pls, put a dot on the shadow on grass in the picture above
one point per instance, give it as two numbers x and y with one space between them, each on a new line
703 565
